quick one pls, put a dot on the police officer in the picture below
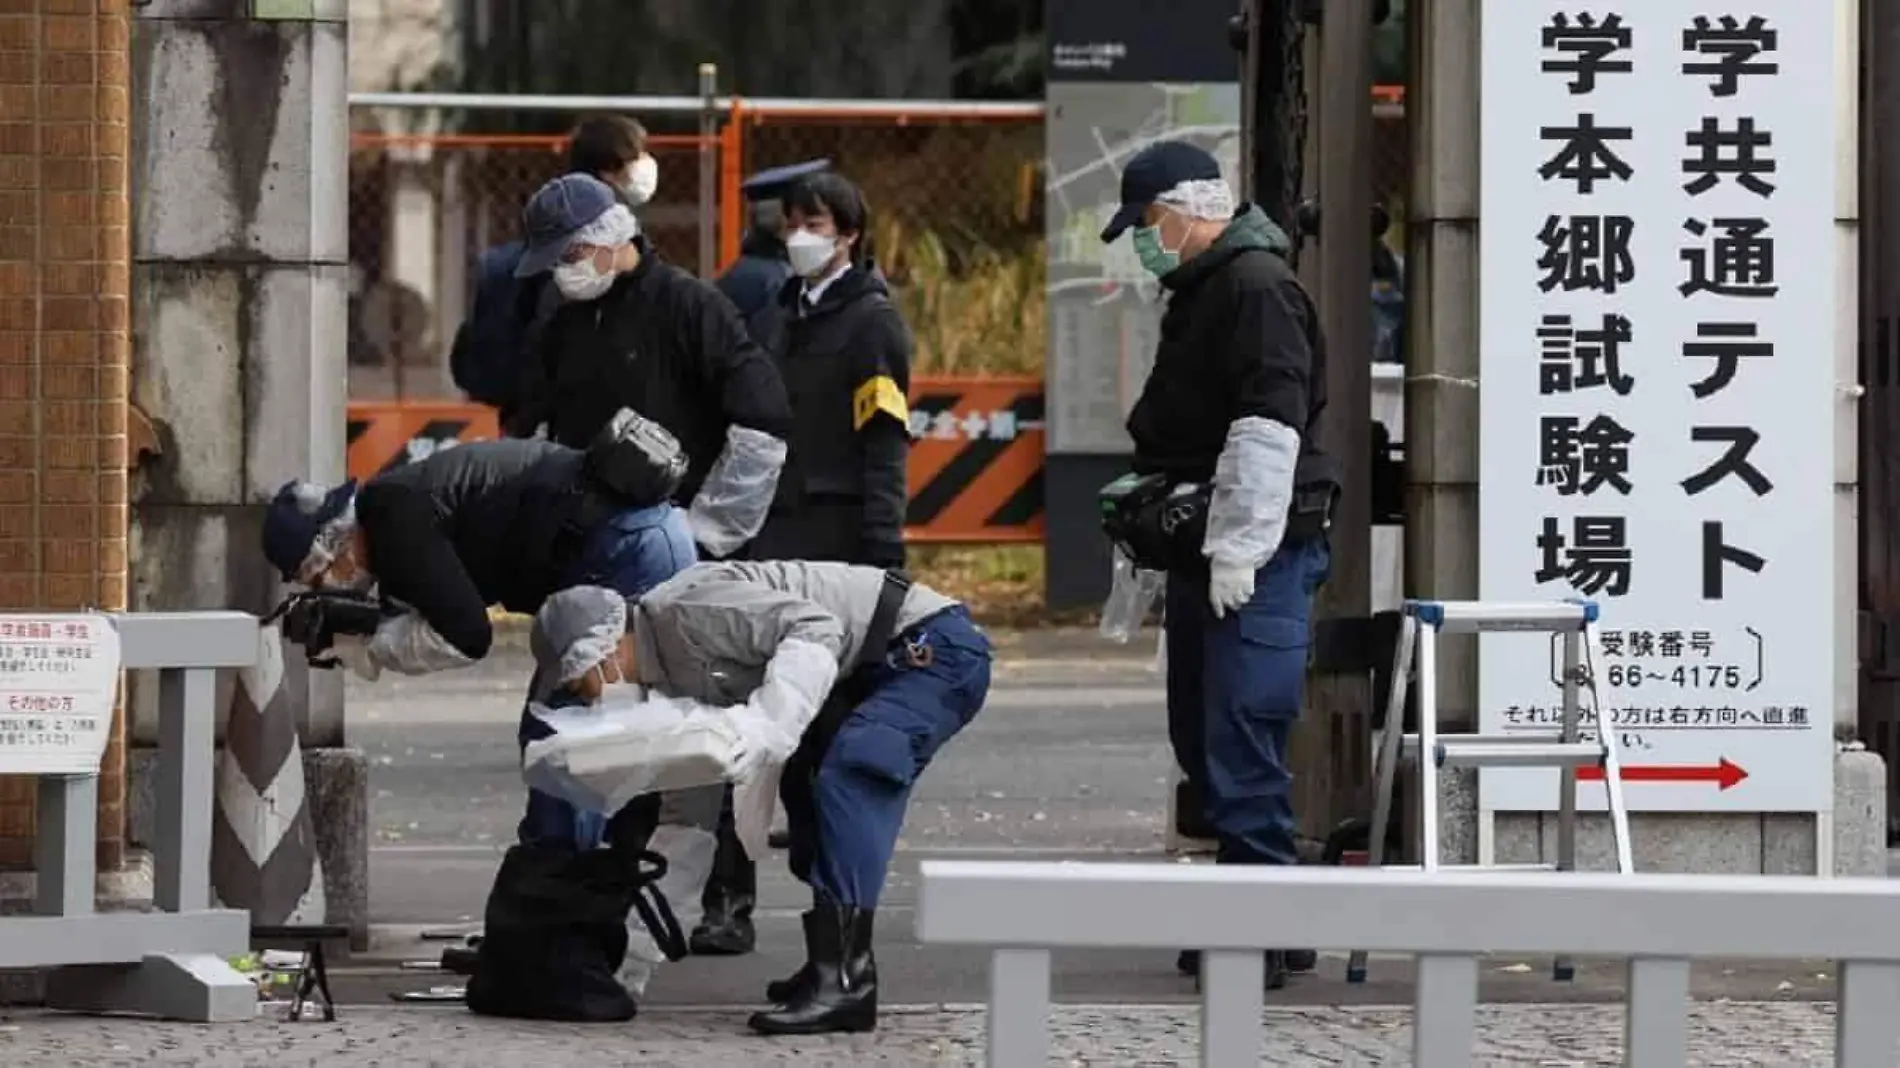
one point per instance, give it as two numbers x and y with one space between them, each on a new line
844 352
851 679
753 281
1231 410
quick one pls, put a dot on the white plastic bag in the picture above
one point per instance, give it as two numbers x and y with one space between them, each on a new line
731 504
600 757
1132 592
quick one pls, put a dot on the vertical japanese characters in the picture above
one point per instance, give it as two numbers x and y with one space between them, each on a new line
1726 268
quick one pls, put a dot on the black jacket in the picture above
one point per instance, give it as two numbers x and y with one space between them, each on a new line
665 344
1239 338
846 362
754 279
490 522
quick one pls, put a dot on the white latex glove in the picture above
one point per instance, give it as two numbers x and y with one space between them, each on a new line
352 651
1228 587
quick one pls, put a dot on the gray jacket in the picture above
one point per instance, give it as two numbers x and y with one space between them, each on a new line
709 631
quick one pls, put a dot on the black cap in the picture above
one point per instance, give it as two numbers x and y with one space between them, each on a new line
555 213
295 517
775 182
1153 171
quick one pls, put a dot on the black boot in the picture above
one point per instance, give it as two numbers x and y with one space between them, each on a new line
790 988
842 992
726 930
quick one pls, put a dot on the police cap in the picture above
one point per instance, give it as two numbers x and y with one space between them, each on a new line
774 183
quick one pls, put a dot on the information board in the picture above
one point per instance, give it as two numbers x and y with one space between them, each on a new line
1658 387
59 678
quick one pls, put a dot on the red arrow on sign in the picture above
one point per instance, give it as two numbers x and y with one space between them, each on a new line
1723 773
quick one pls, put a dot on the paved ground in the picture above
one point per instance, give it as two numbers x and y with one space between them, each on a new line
1743 1035
1067 762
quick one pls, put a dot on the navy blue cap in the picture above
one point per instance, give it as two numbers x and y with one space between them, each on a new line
295 517
554 213
775 182
1153 171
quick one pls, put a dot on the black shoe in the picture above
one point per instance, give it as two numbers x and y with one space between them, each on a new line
842 992
779 839
726 930
1279 963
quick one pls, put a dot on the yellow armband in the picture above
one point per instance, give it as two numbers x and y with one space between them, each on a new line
879 394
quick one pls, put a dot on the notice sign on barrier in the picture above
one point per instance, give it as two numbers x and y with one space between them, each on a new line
59 677
975 460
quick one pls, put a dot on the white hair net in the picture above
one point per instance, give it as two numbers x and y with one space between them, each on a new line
1203 198
576 629
615 226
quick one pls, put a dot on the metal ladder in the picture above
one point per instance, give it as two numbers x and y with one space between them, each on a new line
1565 748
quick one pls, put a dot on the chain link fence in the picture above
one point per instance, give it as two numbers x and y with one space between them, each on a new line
956 199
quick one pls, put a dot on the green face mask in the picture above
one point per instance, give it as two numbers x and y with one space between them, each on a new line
1157 260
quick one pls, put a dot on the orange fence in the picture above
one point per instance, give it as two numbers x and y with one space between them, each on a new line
975 469
957 210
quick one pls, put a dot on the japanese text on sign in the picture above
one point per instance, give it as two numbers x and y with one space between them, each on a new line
1651 439
58 681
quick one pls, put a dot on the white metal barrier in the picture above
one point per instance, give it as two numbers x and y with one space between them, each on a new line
171 961
1023 910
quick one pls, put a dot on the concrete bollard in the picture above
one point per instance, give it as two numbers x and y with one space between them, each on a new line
263 845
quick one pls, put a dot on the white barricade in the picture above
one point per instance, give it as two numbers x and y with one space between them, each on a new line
169 962
1659 922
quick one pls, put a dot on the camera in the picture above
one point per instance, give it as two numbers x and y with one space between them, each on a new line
315 618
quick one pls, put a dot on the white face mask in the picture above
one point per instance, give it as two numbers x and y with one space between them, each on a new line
643 180
582 280
810 253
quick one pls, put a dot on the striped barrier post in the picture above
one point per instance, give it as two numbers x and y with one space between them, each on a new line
263 845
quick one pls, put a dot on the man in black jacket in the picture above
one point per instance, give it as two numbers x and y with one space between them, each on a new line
488 523
753 281
636 332
1231 410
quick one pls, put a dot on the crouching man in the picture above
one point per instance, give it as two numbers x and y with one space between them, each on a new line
844 681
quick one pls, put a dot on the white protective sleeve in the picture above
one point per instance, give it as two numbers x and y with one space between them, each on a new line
408 644
1253 488
733 501
797 680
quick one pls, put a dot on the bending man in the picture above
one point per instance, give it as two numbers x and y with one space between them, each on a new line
845 682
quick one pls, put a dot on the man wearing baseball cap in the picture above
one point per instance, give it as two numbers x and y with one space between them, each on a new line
636 332
1229 419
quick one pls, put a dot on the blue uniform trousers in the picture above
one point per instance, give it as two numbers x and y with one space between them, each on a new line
844 816
632 552
1235 686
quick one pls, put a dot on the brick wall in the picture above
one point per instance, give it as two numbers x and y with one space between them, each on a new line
64 340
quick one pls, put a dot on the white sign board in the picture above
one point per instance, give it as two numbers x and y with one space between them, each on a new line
59 677
1658 387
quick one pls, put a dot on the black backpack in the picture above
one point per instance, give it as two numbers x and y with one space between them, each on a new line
492 342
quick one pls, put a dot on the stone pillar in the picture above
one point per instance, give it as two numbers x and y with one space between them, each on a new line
63 342
240 258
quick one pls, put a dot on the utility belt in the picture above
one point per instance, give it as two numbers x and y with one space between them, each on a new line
1161 523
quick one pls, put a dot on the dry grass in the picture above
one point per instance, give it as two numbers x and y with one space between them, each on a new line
974 309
